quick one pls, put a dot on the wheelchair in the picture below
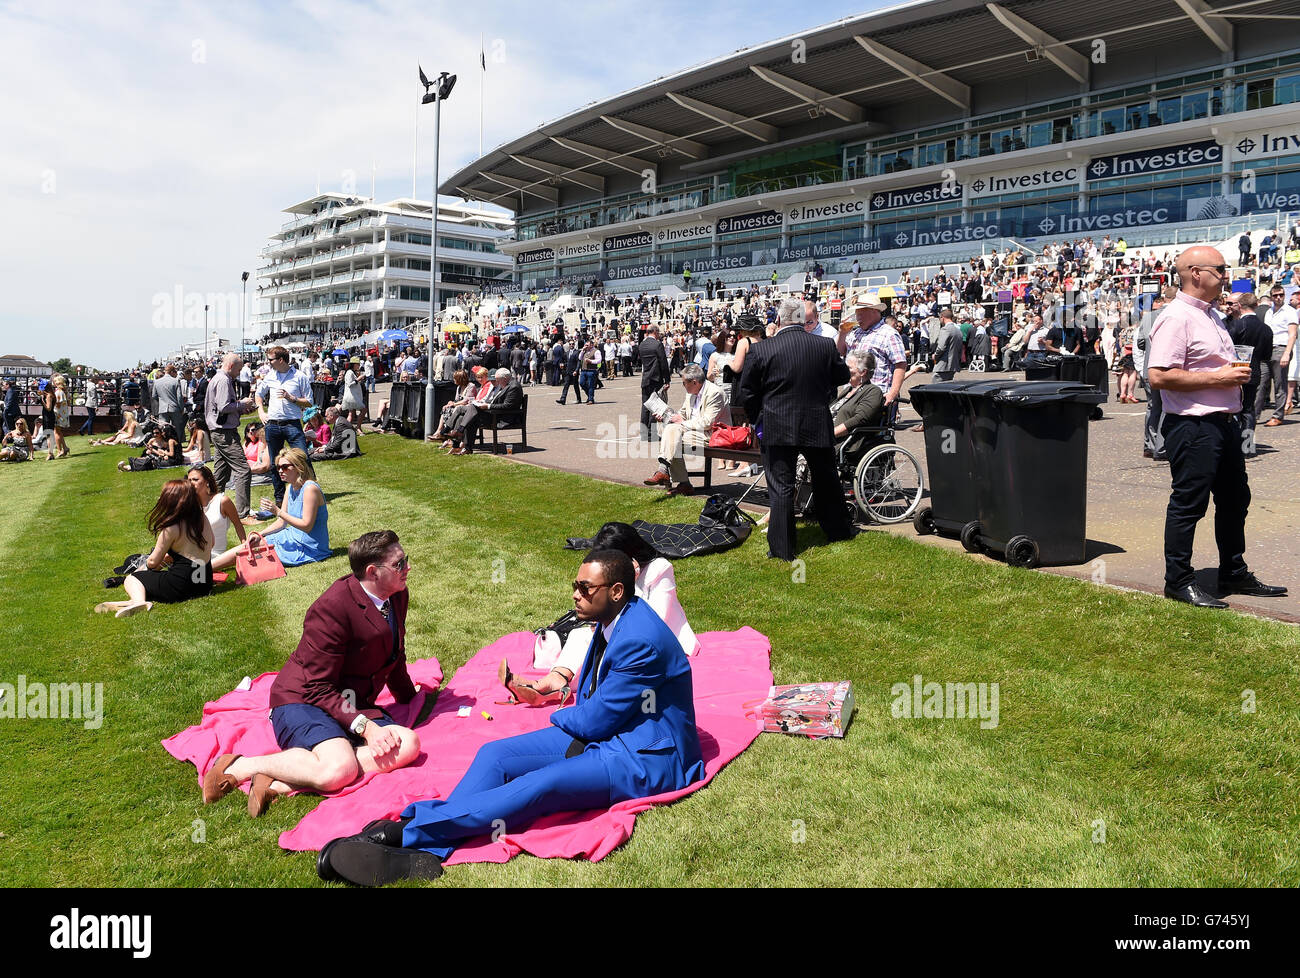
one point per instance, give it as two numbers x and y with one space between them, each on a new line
882 481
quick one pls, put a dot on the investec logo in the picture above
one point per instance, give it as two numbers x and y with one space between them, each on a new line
1153 160
1269 143
1024 181
965 232
639 240
911 196
531 257
1071 223
667 235
572 251
821 212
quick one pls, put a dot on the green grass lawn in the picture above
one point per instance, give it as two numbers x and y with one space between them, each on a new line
1116 708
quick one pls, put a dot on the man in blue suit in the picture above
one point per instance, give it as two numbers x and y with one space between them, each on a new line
630 734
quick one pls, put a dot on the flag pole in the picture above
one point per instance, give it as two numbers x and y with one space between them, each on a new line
482 60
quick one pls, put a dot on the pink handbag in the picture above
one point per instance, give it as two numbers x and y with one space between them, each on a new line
256 564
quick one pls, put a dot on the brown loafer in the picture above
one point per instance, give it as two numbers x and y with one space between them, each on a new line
260 795
658 479
216 783
682 489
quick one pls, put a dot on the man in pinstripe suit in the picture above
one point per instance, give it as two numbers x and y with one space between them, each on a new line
788 383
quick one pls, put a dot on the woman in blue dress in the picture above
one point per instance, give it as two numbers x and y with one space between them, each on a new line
300 533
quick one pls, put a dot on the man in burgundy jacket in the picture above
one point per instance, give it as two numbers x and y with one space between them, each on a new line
323 701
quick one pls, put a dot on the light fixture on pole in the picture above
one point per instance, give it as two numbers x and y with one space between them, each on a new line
205 331
441 88
243 311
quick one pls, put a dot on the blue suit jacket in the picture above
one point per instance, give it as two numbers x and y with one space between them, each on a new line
642 716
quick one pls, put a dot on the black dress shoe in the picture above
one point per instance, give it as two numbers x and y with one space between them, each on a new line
1193 595
367 863
1248 583
323 868
384 831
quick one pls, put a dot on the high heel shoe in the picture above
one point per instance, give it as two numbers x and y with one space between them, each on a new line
524 692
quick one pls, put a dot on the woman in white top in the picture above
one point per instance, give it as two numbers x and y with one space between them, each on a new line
217 507
354 395
199 449
656 585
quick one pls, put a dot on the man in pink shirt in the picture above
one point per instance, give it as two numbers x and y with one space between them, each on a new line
1191 362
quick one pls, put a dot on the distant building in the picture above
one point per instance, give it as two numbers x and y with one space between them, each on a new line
18 365
352 265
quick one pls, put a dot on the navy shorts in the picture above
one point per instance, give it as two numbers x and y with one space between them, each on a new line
306 726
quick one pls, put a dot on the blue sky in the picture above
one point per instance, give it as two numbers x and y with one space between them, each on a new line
151 146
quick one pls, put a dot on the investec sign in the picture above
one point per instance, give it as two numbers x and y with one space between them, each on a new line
756 221
644 270
535 256
942 236
639 239
1004 183
684 232
1268 142
1155 160
827 210
930 193
578 250
1076 223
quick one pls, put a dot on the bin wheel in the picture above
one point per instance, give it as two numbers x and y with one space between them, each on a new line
1022 551
1096 413
970 537
923 521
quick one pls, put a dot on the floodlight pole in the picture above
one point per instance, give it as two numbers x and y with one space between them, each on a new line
243 311
429 394
435 93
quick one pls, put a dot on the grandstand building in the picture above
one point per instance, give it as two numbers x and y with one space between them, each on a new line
347 265
923 133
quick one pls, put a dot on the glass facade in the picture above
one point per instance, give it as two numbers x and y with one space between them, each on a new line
1188 97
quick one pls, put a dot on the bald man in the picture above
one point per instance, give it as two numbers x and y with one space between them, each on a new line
222 410
1191 361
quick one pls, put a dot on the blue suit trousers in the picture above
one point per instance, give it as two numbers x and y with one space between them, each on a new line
510 783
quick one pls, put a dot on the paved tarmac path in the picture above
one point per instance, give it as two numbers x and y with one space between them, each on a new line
1126 495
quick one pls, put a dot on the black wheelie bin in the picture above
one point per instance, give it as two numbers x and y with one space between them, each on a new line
948 457
1030 452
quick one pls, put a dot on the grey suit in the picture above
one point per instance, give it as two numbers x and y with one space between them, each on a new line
171 403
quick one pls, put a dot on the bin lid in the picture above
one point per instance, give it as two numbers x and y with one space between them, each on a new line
1035 393
948 388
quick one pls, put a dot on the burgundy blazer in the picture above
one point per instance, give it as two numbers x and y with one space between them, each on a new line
346 645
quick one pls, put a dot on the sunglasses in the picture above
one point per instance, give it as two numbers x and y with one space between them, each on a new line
402 564
586 588
285 465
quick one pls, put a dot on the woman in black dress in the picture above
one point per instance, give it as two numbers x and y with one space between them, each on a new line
180 566
162 451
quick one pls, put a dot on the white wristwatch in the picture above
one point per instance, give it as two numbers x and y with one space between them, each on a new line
359 724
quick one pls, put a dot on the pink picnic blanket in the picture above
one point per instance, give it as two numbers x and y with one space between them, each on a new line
730 670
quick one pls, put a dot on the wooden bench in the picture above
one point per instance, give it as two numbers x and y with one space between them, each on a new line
750 456
497 420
